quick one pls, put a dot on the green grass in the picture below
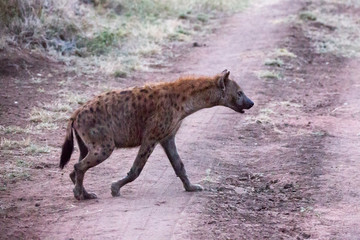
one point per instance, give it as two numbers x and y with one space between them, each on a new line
14 170
120 74
307 16
17 175
23 163
35 149
101 43
112 35
3 188
202 18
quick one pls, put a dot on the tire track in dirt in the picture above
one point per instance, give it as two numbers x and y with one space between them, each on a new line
299 176
337 211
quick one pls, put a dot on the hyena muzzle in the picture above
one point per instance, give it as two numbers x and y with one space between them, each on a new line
143 117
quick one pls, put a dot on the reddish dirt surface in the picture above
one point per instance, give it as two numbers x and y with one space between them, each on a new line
286 169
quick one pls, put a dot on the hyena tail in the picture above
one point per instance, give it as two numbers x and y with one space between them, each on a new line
68 146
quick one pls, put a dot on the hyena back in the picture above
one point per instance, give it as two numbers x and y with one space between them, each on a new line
143 117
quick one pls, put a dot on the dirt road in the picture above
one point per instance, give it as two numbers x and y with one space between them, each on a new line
286 169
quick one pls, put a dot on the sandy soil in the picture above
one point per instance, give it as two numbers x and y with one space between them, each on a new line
286 169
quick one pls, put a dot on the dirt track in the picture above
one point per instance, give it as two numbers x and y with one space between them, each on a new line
287 169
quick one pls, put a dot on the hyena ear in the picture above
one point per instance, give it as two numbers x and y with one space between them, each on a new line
223 80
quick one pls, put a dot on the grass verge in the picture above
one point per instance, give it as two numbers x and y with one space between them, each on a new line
113 35
266 74
24 146
332 29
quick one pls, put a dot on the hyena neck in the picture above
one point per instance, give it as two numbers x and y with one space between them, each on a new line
206 95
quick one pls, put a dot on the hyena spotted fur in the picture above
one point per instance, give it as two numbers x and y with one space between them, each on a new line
144 117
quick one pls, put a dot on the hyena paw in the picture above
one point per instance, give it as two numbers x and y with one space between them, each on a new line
89 195
194 188
83 195
115 191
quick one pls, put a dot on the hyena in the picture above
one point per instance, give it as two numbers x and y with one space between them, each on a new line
143 116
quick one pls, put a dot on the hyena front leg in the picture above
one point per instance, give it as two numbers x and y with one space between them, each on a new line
170 150
145 150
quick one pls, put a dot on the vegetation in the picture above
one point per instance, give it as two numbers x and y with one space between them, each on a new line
277 62
115 35
283 52
265 74
335 32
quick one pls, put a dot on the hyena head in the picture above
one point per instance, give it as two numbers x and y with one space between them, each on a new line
232 95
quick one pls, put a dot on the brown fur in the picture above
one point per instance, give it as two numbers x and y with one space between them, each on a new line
141 117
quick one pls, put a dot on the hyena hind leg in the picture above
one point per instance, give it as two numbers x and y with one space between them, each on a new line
83 152
93 158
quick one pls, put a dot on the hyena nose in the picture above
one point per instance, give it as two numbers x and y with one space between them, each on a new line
249 104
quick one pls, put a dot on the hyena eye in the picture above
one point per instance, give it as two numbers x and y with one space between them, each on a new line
240 93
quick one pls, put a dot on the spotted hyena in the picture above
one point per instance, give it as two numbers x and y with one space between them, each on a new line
144 117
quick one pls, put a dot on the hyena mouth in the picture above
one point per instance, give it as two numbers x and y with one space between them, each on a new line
241 111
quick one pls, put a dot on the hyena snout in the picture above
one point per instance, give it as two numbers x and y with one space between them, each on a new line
243 103
248 103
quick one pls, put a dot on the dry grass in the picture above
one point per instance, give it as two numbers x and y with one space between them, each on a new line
267 115
7 144
72 99
40 115
289 104
19 158
275 62
266 74
17 169
210 177
338 33
25 146
264 116
46 126
47 115
349 3
35 149
16 129
283 52
58 106
112 35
